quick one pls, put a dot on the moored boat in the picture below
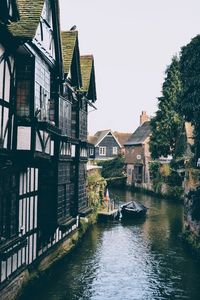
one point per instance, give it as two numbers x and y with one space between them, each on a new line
133 209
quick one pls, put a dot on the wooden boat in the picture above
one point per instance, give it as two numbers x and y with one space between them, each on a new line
133 209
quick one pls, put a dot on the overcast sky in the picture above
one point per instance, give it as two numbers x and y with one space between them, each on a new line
132 42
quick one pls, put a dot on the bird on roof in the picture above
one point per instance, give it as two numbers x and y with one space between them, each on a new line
73 28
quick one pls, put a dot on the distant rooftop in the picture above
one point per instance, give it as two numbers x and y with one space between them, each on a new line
140 135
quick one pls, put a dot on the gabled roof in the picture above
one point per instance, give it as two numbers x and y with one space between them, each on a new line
122 137
140 135
86 69
69 40
88 76
100 135
71 56
29 12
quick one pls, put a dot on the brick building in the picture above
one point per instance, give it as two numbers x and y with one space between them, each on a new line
137 155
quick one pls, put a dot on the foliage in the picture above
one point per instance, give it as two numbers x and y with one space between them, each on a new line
156 177
167 123
165 170
154 167
192 240
174 179
175 192
188 101
113 168
163 174
95 188
194 195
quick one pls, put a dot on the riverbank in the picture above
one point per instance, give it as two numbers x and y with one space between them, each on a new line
148 190
35 275
145 258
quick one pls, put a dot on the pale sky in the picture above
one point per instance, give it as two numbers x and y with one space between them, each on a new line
132 42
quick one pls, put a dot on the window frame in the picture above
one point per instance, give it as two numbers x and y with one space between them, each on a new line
114 150
91 152
102 150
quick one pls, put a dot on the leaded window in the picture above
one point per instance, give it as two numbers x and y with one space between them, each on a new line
42 90
24 72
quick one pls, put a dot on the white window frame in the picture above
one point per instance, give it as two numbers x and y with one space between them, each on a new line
91 151
115 150
102 151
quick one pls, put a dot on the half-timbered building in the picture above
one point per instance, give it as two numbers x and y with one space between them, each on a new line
12 246
43 132
87 98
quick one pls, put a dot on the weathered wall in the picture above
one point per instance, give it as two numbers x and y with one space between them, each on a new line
12 289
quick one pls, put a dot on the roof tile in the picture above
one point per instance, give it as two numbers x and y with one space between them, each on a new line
30 12
69 40
140 135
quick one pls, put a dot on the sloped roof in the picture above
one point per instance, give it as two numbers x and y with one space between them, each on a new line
69 40
29 12
88 76
122 137
86 69
140 135
92 139
100 135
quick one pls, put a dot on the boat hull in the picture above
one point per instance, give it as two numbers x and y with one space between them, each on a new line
133 209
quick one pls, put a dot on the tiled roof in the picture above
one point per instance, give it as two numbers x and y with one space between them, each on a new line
122 137
92 139
100 135
69 40
140 135
29 12
86 70
88 77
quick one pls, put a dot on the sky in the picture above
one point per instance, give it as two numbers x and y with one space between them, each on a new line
133 41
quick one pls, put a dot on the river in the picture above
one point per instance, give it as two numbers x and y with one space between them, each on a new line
142 260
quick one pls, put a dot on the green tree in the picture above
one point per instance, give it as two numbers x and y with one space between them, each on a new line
113 170
189 99
167 123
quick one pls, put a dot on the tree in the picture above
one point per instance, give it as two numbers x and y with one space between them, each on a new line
189 99
167 123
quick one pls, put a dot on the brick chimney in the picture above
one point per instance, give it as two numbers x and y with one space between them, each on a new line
144 117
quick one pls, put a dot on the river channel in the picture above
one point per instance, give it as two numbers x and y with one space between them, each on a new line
143 259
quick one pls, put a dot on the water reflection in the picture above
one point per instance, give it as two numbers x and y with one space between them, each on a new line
143 259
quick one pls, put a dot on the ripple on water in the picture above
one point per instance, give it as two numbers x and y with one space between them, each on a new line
140 260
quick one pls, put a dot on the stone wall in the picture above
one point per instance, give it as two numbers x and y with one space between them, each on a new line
11 290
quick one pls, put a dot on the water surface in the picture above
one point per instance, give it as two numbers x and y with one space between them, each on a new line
143 259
